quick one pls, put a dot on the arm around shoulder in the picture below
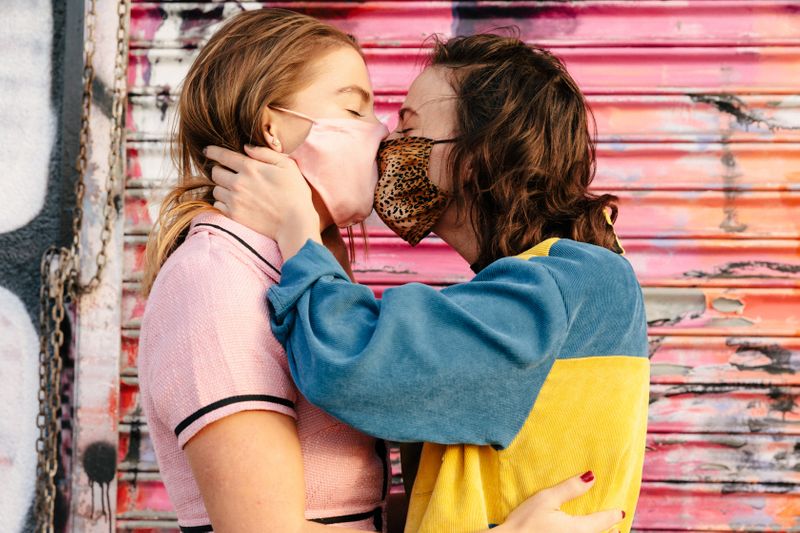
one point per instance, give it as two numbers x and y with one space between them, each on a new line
393 367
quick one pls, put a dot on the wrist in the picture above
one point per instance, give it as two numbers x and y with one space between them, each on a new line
295 236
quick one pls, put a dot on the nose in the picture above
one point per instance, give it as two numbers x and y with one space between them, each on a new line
376 120
373 118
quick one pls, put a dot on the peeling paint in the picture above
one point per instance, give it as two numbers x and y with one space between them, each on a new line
671 308
727 305
731 323
661 370
730 223
737 108
748 269
783 402
772 358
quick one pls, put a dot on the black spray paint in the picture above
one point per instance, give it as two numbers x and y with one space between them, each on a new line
100 465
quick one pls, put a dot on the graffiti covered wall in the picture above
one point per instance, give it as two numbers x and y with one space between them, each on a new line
698 113
36 184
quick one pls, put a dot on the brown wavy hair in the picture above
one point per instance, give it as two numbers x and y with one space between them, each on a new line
524 155
256 59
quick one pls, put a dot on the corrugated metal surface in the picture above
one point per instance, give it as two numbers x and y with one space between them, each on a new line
698 111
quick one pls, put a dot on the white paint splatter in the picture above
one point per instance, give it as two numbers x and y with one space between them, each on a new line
18 409
27 118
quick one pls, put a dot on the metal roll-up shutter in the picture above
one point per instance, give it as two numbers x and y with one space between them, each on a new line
698 113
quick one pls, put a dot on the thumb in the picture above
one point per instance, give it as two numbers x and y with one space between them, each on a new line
568 490
266 155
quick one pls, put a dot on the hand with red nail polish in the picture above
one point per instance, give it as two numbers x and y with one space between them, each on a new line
541 513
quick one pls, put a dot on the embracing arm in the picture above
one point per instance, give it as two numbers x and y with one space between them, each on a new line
249 470
450 366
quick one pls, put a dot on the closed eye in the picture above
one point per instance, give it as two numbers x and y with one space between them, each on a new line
355 113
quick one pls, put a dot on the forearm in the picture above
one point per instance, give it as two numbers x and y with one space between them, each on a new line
343 344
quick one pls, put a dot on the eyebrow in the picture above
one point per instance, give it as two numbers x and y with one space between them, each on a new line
362 92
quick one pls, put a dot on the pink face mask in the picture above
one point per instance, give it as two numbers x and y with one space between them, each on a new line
337 158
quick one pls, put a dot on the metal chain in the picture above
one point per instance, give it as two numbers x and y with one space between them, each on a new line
82 162
113 177
51 339
60 267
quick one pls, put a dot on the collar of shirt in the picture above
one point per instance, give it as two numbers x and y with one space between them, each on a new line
266 253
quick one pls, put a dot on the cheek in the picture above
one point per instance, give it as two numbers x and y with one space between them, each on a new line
293 135
437 170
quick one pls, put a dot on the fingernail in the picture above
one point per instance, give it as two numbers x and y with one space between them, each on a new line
587 477
205 150
248 146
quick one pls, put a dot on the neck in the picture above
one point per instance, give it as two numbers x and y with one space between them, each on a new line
459 234
325 218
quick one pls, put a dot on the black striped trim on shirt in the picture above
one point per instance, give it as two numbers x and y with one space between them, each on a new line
376 515
243 243
227 401
196 529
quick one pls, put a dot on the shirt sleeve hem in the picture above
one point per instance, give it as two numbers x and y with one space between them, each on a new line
185 432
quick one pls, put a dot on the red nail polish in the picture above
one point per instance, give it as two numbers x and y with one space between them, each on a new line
587 477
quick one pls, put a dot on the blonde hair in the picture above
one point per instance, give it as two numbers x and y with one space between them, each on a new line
257 58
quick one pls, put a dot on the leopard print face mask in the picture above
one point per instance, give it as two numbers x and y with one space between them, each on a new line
405 198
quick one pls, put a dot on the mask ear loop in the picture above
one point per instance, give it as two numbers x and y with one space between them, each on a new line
295 113
607 213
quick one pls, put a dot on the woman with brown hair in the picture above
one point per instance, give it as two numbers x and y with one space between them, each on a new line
239 448
535 369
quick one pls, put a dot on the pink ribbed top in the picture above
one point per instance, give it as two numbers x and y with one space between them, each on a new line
206 351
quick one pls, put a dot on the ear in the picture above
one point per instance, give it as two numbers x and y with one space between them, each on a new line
269 126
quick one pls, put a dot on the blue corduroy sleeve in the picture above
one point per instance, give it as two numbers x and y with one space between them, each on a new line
460 365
